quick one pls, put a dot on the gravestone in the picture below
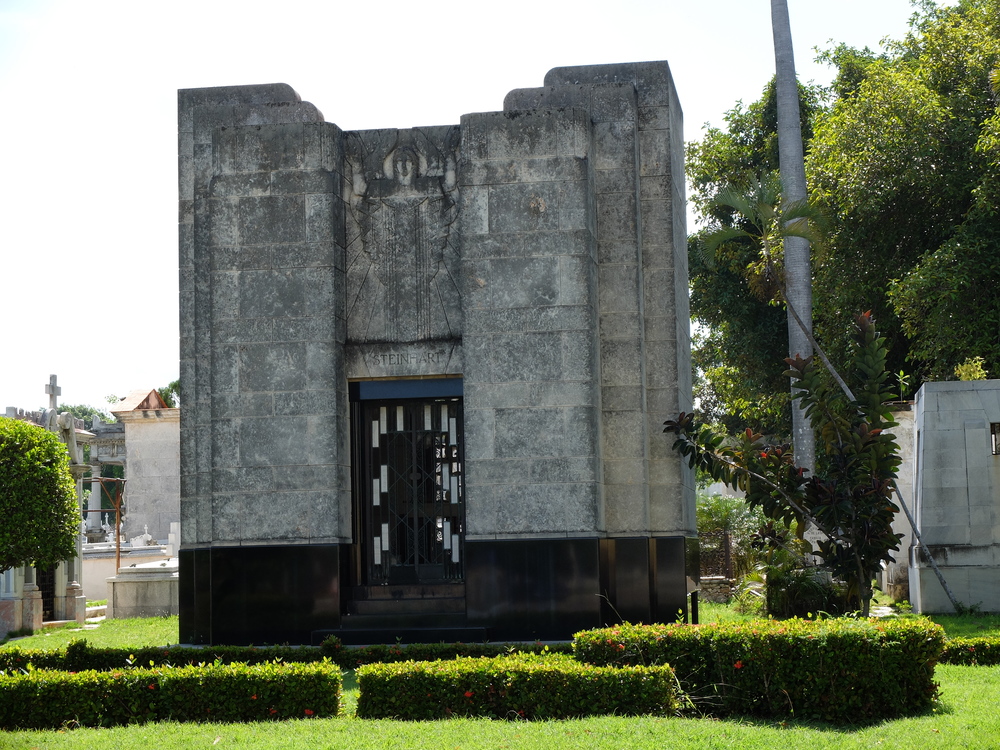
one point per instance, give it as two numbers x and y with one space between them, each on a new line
425 370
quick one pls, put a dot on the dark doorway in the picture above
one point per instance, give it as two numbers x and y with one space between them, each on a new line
409 489
45 579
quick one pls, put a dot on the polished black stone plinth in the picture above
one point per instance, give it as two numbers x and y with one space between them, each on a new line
258 595
515 590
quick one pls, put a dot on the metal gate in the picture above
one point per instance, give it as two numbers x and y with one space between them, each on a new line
411 490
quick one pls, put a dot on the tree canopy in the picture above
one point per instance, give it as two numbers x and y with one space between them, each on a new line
87 413
903 156
37 497
849 497
743 334
171 393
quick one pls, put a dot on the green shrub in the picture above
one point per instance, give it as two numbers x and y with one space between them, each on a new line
981 651
80 655
37 497
733 515
836 670
803 592
351 658
43 699
524 686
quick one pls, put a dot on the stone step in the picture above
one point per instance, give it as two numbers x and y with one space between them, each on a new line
409 591
409 620
389 607
360 630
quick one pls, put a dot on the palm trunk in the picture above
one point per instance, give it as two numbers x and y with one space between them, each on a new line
798 271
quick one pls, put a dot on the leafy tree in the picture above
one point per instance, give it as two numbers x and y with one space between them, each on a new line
971 369
87 413
947 304
740 335
37 497
849 498
905 167
171 393
905 163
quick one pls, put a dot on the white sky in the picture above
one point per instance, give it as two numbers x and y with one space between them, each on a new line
88 199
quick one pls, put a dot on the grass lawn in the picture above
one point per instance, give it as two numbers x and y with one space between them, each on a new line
968 716
148 631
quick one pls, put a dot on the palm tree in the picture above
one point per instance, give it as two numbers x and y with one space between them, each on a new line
770 222
798 271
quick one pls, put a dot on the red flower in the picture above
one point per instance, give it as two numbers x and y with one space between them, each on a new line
253 697
152 687
274 711
738 664
309 712
469 693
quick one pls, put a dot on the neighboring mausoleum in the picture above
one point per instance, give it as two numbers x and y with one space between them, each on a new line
425 371
152 440
957 505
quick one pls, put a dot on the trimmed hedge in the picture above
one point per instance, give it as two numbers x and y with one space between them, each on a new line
836 670
43 699
524 686
79 655
350 657
982 651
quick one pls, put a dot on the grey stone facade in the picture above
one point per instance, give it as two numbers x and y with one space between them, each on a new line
537 253
957 507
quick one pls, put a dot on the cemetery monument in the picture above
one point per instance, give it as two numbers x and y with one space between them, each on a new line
425 371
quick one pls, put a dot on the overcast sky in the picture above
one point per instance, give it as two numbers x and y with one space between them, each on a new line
88 199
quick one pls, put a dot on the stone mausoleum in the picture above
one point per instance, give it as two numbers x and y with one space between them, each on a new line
957 495
425 371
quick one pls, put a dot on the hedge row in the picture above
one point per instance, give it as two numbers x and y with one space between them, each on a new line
79 655
837 670
349 657
982 651
43 699
524 686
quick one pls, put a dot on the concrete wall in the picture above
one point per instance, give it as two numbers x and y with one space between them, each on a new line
895 579
957 495
152 492
98 567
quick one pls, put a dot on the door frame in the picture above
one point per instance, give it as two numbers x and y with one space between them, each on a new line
384 397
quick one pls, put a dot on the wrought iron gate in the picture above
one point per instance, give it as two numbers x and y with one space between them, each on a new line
411 487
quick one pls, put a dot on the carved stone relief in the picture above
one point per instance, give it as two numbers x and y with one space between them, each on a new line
402 256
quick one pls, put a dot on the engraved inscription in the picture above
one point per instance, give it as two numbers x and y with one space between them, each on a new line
391 359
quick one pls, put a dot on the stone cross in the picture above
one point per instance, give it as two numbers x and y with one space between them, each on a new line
54 392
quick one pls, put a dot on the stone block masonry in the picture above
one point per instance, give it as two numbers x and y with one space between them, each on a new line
525 272
956 476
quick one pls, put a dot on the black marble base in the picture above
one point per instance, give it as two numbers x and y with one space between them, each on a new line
515 590
258 595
